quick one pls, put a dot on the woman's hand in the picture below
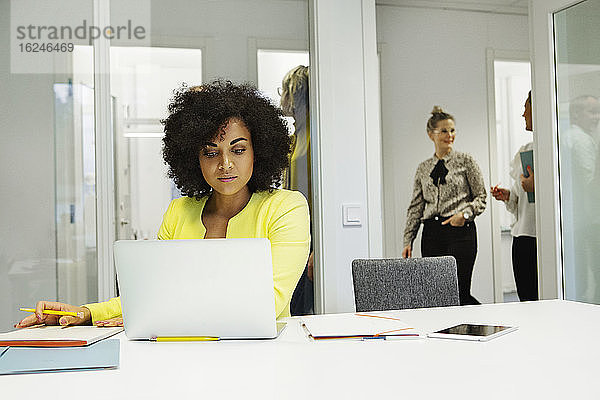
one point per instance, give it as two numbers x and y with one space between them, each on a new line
500 193
84 318
528 183
456 220
407 252
118 321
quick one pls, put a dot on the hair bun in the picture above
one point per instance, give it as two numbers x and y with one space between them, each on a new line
437 110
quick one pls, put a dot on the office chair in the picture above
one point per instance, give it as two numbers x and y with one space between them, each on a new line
399 283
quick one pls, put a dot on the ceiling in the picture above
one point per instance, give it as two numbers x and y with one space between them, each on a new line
495 6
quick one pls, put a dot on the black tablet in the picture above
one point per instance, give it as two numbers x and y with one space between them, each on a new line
475 332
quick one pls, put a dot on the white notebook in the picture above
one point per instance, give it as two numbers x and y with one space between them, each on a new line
56 336
357 326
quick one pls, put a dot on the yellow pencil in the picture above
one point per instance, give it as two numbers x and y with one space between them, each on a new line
186 339
54 312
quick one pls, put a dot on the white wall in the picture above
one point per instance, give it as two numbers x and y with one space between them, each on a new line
346 145
437 57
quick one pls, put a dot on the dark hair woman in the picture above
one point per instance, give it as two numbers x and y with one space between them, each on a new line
226 147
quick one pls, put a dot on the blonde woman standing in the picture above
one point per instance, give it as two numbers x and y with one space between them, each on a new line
448 194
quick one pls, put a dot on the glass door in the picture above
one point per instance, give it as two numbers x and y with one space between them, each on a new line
512 81
577 40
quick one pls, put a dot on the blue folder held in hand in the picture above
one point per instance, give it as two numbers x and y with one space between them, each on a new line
527 160
22 360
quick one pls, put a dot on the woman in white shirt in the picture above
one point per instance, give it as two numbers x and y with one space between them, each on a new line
524 249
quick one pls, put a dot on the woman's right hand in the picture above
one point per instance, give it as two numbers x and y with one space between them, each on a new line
84 318
500 193
407 252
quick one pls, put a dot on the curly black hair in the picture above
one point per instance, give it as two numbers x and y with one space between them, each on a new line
196 114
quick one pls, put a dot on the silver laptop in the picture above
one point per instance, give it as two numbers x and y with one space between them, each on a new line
209 287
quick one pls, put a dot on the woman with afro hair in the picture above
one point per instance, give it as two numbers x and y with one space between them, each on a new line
226 147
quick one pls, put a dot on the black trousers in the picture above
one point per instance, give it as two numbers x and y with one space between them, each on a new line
524 261
459 242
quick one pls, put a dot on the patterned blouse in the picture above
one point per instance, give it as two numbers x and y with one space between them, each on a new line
463 190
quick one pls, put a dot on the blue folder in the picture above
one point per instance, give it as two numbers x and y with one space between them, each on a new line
22 360
527 160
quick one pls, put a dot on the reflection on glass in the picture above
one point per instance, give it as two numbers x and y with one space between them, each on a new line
578 88
294 103
283 77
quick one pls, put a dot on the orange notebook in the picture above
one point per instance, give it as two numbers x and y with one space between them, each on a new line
56 336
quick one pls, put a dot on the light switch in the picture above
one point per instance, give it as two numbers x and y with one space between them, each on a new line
351 214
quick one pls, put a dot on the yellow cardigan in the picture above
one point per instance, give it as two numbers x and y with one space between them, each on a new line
280 216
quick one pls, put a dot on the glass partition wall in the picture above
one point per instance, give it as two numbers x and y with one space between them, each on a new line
577 34
50 140
47 153
190 44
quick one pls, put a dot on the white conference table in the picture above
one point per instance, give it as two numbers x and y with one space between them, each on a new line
554 355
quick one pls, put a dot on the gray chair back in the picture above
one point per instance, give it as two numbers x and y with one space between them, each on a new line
400 283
